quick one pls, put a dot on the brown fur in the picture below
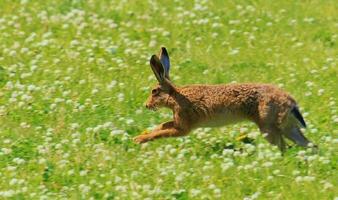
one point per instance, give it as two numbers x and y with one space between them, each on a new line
216 105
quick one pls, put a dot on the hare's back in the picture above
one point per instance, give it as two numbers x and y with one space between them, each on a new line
235 96
221 104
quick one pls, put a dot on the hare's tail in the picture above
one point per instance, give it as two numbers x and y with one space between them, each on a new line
299 117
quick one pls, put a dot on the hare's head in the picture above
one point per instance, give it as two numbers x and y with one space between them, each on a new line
161 92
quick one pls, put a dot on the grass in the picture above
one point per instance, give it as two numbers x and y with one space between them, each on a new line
74 76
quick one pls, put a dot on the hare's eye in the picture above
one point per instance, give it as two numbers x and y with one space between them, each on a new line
154 92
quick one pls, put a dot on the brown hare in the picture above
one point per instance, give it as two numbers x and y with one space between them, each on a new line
273 110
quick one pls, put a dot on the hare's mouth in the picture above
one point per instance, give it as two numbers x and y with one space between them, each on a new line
153 108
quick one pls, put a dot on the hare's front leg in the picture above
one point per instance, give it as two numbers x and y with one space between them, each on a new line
166 129
274 136
162 126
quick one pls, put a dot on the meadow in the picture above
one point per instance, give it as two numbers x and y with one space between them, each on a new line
74 76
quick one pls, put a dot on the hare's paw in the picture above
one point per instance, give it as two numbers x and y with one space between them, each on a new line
245 139
145 132
142 138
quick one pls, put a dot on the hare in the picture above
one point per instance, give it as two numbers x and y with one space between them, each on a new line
273 110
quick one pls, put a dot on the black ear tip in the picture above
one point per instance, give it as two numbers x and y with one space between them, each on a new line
154 59
164 51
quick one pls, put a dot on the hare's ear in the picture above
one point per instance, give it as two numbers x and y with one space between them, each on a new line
157 68
164 58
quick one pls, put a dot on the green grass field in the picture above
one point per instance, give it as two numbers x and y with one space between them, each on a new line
74 77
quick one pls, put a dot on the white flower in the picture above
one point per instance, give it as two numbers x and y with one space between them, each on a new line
83 172
195 192
120 97
19 161
84 188
7 194
267 164
299 179
309 178
234 51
